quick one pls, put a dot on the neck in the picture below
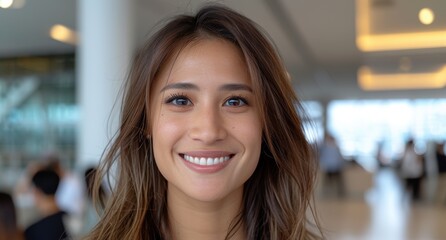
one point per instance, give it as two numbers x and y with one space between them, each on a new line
48 206
192 219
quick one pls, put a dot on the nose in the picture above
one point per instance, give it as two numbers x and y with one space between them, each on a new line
207 125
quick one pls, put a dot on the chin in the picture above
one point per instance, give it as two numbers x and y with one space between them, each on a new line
211 194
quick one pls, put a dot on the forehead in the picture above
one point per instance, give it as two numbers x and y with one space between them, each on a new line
206 46
205 56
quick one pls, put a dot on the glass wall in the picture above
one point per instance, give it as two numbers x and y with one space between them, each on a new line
362 127
313 121
38 112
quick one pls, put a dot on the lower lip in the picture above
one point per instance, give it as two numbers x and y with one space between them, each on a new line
205 169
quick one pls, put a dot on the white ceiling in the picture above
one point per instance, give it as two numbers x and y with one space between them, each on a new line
316 38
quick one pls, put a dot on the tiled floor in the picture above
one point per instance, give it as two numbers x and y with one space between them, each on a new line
383 213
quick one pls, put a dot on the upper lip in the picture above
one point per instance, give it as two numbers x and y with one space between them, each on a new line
207 154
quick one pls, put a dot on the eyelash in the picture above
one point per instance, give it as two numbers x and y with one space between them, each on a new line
238 97
175 96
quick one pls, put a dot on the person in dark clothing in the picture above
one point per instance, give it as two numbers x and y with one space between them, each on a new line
441 163
51 226
440 157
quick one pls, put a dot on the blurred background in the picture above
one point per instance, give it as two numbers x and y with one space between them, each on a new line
370 73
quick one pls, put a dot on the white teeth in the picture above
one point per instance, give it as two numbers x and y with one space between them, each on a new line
205 161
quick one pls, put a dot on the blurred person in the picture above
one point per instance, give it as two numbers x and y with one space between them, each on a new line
23 194
383 160
332 165
9 229
210 145
51 225
412 170
441 167
70 195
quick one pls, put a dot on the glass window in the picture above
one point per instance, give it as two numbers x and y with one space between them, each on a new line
363 126
38 111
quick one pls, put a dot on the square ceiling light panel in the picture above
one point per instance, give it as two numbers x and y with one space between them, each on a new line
391 25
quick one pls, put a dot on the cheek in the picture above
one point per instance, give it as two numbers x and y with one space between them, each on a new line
165 134
249 132
164 127
166 131
251 138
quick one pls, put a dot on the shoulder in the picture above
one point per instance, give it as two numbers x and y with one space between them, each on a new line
35 230
46 222
47 226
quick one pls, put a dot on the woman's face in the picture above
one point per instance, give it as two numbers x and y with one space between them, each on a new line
206 129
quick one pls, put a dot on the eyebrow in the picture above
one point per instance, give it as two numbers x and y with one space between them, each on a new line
180 86
236 86
190 86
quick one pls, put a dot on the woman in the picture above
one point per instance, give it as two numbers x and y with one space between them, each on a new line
210 145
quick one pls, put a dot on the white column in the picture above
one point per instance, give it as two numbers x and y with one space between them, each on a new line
106 44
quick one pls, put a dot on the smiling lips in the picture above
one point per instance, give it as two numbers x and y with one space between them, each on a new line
206 161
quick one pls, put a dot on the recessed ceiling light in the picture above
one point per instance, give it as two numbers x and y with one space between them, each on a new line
426 16
6 3
63 34
367 41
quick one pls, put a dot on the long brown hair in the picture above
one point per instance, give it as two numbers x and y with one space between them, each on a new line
277 195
